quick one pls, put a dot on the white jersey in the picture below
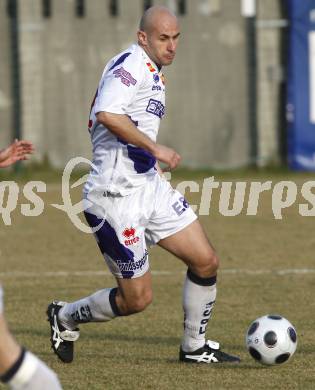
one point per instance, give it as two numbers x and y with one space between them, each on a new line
133 85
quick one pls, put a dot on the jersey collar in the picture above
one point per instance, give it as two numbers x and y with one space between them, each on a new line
153 67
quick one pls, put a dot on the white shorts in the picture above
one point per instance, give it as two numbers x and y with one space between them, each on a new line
126 225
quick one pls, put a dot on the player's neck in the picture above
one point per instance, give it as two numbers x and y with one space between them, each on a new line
159 66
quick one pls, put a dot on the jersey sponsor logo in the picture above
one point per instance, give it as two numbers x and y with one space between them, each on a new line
125 77
132 266
156 107
180 206
151 68
156 78
130 235
156 88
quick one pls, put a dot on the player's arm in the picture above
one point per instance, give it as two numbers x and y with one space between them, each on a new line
124 128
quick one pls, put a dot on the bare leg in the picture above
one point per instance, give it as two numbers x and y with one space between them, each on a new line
193 248
134 295
9 348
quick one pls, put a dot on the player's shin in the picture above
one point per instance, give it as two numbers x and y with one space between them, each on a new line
198 299
98 307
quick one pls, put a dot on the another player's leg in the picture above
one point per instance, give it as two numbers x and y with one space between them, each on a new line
192 246
20 369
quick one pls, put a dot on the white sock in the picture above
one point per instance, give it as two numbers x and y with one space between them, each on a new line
198 299
30 373
98 307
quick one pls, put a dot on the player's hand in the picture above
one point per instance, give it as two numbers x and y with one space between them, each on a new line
18 150
167 156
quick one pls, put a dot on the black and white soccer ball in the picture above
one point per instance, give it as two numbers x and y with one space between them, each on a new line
271 339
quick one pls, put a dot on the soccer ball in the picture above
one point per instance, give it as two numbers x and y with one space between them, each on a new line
271 339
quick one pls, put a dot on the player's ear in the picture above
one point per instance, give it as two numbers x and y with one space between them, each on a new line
142 38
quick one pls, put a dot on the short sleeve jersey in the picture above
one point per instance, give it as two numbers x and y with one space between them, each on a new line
132 85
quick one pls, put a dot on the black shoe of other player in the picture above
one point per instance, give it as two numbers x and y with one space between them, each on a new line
209 353
61 338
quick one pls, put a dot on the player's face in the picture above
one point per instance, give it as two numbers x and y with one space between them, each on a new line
160 43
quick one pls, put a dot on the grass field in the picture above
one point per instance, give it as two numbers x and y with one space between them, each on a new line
267 266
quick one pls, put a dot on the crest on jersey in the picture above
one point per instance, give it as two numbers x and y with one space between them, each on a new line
151 68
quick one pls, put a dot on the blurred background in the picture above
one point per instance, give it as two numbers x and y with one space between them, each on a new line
236 71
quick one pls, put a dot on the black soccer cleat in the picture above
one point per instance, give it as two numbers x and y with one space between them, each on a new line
61 338
209 353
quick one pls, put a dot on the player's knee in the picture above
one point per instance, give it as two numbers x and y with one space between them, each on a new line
214 262
139 303
209 265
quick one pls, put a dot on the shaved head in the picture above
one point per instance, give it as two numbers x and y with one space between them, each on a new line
154 14
158 34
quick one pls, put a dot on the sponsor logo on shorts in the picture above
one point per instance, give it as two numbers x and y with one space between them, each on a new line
130 235
132 266
125 77
156 107
180 206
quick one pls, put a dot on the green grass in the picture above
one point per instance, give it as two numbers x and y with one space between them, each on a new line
140 351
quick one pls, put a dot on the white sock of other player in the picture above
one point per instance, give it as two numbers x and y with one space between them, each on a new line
98 307
30 373
198 299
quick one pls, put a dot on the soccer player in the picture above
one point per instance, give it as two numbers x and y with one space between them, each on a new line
20 369
129 205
